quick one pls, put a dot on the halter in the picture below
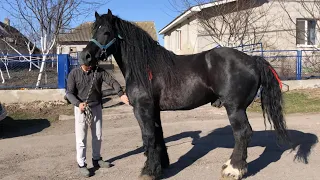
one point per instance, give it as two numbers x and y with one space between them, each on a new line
105 47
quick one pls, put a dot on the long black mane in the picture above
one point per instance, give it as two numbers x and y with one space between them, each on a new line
141 52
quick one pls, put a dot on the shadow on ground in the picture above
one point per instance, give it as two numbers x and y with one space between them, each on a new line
223 138
105 100
10 128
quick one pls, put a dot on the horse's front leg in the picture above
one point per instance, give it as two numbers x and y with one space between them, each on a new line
147 116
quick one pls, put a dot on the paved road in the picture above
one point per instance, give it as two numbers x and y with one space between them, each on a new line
199 142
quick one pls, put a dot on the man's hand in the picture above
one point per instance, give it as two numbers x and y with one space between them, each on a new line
124 99
82 106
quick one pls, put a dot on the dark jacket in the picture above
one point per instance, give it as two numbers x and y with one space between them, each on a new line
79 83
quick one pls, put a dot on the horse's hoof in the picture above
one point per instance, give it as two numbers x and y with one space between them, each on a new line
146 177
228 172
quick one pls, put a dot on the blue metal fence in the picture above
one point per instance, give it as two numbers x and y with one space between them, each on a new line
19 72
289 64
294 64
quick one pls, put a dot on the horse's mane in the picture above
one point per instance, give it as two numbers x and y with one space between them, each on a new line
142 52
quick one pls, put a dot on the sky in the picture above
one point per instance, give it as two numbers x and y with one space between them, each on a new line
161 12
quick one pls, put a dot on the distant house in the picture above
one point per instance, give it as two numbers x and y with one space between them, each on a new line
185 35
74 41
16 39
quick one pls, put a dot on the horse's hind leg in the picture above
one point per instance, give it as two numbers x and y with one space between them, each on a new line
236 166
155 149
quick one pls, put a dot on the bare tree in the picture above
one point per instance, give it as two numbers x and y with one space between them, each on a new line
44 19
231 23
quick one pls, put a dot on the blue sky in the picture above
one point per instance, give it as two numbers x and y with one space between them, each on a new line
159 11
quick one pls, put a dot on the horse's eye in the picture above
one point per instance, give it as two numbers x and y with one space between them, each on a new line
99 27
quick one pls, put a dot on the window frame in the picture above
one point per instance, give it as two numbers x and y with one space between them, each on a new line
306 32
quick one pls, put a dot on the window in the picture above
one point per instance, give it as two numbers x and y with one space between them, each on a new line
178 39
306 32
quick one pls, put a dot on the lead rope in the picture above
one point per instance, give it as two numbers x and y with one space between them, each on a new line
88 117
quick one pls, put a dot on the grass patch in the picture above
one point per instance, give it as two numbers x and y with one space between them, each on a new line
296 101
21 115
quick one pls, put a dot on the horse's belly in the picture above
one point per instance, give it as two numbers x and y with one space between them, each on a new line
180 100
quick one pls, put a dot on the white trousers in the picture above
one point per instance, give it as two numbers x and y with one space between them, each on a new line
81 131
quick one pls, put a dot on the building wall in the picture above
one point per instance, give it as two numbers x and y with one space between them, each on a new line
269 30
280 33
66 49
188 38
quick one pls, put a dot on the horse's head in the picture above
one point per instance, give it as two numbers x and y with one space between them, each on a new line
103 40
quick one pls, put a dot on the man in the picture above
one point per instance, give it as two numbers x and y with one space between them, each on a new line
78 86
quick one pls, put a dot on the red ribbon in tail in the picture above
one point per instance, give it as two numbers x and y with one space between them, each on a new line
276 76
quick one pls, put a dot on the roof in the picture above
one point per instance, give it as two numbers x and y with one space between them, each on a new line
190 12
149 27
6 30
11 35
3 32
82 33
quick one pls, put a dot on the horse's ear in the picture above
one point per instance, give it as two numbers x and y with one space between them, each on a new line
109 13
96 15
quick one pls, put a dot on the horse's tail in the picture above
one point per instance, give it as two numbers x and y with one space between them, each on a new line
271 99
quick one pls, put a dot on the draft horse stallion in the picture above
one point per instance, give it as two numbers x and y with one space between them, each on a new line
159 80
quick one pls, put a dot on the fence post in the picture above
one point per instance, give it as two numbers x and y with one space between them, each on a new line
63 70
261 49
299 64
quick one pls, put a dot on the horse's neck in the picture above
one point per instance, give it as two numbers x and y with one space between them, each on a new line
121 60
118 57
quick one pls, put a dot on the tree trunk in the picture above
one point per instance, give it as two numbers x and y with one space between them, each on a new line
41 70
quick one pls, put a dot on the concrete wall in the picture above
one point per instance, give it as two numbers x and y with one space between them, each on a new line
25 96
302 84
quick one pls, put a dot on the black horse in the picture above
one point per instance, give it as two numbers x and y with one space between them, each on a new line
159 80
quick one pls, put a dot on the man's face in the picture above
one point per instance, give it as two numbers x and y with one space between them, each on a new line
86 68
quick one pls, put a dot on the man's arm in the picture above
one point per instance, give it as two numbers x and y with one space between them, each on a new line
71 90
107 78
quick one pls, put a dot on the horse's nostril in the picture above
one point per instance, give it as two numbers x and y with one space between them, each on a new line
88 56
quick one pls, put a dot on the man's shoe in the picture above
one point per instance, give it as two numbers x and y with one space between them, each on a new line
100 163
84 171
